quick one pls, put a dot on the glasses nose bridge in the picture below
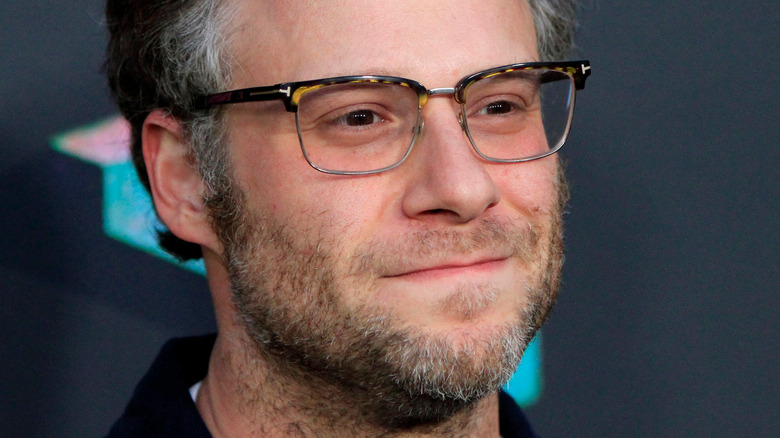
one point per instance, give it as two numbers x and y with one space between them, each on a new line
443 91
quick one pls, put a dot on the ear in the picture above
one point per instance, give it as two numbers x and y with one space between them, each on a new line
177 188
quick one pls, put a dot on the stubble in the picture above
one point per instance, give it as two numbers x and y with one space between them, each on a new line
289 292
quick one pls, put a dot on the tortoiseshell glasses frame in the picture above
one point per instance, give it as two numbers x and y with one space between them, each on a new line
363 124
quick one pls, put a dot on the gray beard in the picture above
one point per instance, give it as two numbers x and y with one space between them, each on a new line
288 293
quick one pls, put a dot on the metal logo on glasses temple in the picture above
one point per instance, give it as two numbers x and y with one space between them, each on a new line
285 91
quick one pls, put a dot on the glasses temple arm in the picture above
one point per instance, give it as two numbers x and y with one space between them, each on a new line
257 94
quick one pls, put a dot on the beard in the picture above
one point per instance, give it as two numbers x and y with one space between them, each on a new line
290 287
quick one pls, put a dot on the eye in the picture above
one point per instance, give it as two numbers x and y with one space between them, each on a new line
358 118
498 107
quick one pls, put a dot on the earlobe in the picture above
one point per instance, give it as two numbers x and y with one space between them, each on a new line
176 186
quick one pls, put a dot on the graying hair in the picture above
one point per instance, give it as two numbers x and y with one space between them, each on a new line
555 22
162 54
198 46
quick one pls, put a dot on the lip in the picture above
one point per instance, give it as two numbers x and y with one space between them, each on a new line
447 268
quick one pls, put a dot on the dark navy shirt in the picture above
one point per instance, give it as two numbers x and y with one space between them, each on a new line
162 406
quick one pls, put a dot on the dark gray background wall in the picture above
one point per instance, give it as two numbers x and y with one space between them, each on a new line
667 324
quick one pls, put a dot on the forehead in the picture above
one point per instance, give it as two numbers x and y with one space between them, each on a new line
426 40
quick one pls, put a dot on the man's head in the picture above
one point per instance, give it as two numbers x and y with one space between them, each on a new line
419 286
164 54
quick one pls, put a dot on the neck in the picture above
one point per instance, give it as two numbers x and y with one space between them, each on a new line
250 393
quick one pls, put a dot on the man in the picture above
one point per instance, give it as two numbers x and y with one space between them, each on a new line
379 253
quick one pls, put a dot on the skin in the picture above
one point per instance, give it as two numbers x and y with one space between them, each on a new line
459 295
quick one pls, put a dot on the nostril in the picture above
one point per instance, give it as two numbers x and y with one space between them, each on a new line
451 216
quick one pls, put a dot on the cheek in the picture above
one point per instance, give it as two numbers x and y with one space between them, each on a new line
336 212
264 149
532 187
350 210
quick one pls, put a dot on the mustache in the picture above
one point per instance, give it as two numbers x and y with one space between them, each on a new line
489 237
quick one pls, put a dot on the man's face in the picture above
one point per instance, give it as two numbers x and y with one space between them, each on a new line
425 282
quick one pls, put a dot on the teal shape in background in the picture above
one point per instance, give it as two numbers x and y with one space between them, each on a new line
525 386
128 217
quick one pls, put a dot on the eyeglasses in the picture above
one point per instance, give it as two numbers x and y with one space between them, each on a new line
357 125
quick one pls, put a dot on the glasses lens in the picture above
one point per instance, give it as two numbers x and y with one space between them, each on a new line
357 127
519 115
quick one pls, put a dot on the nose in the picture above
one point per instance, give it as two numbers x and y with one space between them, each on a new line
449 182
